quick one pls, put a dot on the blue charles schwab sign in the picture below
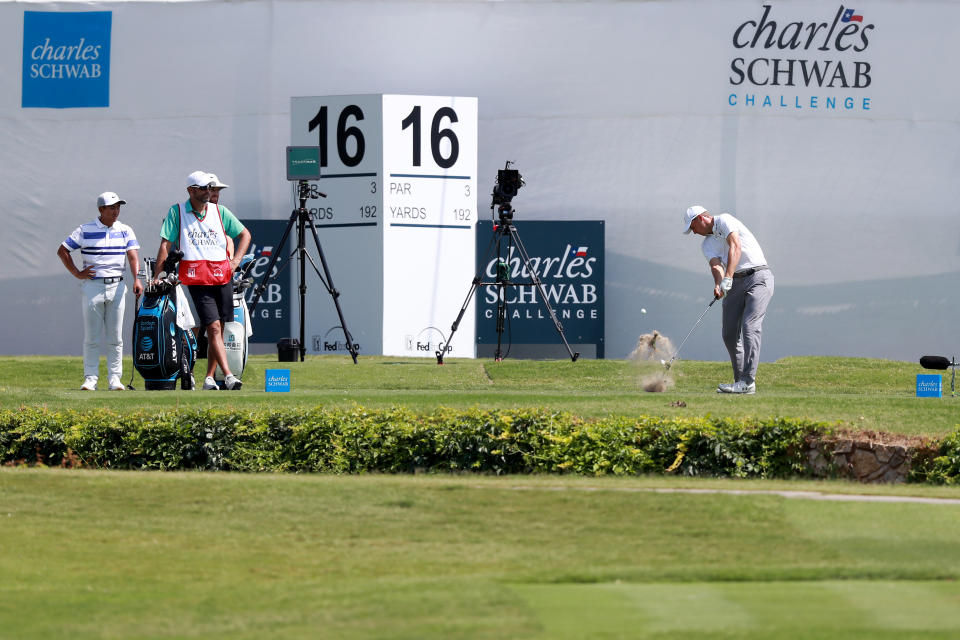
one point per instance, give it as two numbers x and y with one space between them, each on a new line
276 380
271 318
66 59
568 257
929 385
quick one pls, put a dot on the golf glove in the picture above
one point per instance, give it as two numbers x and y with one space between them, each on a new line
726 284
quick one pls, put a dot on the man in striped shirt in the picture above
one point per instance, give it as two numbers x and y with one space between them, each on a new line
104 244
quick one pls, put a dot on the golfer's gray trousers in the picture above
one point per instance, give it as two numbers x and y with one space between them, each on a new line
744 307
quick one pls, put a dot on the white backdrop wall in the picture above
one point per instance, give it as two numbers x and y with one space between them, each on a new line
623 111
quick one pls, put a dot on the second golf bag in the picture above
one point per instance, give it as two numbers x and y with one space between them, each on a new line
237 332
162 350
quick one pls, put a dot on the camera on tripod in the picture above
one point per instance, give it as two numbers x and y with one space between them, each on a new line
508 183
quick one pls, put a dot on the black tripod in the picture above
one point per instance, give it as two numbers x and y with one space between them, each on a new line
506 229
302 217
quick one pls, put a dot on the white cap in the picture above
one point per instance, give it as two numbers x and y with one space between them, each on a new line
690 214
199 179
108 198
215 182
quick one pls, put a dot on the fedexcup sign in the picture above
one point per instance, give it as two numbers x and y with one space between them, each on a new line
817 65
66 59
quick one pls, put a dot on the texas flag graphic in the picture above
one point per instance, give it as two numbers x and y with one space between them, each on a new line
266 251
850 16
580 251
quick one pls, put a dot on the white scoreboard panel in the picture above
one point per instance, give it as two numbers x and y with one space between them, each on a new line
398 224
348 131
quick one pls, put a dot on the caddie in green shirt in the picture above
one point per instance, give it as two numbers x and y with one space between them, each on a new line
200 229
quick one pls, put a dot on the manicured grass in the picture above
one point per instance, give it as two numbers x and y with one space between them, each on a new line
861 393
88 554
150 555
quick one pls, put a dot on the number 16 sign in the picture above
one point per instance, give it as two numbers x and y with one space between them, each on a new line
399 222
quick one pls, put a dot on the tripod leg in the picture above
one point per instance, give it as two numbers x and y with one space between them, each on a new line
456 323
501 315
477 281
302 256
258 291
543 295
351 347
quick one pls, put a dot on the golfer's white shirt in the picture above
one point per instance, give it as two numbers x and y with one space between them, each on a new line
103 248
715 245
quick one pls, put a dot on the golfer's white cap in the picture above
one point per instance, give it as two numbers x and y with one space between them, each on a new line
108 198
215 182
199 179
690 214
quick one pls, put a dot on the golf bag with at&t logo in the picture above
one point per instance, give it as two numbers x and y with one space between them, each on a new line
162 350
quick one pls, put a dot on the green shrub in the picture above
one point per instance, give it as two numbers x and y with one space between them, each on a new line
360 440
939 464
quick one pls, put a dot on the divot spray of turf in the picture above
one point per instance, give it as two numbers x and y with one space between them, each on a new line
651 350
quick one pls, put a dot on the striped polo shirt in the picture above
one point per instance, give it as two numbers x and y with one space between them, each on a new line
102 247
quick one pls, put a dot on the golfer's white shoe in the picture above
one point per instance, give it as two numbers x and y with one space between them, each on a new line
725 387
744 388
115 384
210 384
232 382
89 384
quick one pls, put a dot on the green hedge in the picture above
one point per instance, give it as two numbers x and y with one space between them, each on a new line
940 464
396 440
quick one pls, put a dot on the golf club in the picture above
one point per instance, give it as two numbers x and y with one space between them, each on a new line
699 320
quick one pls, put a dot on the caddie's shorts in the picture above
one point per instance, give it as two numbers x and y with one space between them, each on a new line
212 302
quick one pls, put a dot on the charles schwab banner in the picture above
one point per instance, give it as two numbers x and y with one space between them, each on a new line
568 257
802 59
271 318
66 59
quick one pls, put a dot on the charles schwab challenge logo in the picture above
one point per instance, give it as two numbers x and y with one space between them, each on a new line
799 65
271 298
565 279
66 59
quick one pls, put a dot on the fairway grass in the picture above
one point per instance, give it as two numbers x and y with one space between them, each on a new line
859 393
148 555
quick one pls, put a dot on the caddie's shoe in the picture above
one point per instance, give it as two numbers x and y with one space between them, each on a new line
89 384
232 382
725 387
211 384
115 384
743 388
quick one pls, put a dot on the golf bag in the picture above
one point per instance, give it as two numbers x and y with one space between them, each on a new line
237 332
162 350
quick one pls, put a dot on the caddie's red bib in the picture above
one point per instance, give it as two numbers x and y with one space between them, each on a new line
204 246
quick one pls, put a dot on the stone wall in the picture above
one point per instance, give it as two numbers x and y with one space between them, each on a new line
866 456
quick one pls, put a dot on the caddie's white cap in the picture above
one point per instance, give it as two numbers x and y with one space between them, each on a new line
690 214
108 198
199 179
215 182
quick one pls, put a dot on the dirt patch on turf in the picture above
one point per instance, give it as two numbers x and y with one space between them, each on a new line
884 438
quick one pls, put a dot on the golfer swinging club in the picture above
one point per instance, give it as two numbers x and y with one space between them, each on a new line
742 278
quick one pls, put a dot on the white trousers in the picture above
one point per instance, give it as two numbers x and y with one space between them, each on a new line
103 317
